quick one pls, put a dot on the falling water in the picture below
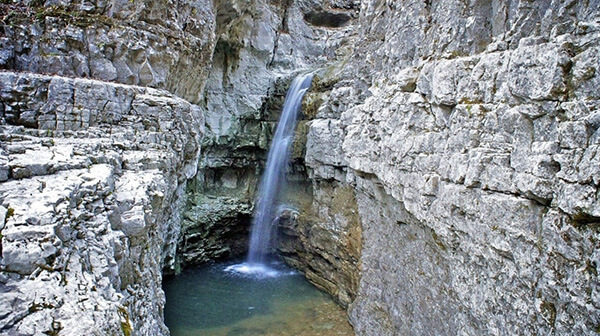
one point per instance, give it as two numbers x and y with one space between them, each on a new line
273 180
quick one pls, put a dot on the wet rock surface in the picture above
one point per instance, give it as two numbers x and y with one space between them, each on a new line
214 228
260 48
323 240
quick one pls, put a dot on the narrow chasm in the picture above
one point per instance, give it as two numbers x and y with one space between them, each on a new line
213 291
215 285
443 176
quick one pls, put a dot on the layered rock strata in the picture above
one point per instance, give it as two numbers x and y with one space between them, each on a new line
93 173
260 47
444 181
165 45
90 200
469 133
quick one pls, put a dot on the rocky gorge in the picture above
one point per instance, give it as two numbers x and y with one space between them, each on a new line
444 178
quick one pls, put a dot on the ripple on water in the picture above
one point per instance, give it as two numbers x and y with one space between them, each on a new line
239 299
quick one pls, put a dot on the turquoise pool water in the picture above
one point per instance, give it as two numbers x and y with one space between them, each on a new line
214 300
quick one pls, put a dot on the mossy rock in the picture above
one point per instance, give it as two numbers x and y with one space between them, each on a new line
125 322
310 105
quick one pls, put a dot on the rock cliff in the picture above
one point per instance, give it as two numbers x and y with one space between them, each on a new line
90 201
260 47
93 171
468 131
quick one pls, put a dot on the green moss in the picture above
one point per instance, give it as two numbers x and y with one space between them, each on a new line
125 324
33 13
328 76
549 311
10 212
126 328
457 54
51 54
299 144
325 82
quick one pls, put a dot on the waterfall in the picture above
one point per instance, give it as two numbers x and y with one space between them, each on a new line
274 176
273 179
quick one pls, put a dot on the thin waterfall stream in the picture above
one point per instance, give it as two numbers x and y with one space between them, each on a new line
272 181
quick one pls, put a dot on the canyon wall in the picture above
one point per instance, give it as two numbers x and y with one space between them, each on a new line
468 131
95 153
133 136
260 47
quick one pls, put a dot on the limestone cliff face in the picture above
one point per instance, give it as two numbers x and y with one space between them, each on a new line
93 172
88 212
95 192
260 47
161 44
469 133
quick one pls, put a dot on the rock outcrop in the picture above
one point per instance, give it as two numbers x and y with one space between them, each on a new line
93 173
468 131
91 194
161 44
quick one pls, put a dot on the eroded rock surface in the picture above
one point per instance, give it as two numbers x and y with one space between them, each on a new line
93 173
261 46
468 132
90 201
161 44
444 179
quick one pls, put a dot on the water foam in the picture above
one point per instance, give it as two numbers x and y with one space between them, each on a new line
256 270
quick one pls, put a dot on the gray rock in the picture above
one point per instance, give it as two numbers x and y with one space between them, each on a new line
262 45
169 49
324 146
92 203
103 69
449 184
476 189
